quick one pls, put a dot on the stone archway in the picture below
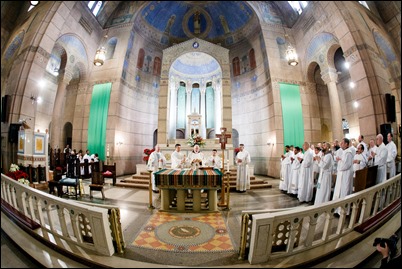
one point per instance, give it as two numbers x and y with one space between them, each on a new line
222 84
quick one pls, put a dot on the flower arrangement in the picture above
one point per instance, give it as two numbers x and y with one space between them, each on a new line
16 174
147 152
195 140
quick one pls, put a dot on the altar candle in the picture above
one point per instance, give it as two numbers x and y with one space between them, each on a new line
107 151
227 161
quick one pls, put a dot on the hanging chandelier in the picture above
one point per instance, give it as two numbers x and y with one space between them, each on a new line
100 55
291 54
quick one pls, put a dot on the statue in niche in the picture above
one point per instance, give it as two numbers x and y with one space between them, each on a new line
197 22
170 23
224 24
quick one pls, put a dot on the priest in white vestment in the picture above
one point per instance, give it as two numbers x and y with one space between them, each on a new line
296 164
306 180
178 158
289 168
196 156
344 177
285 169
324 183
380 159
156 162
371 152
214 160
391 147
359 160
242 178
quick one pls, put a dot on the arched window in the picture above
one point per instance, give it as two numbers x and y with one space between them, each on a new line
95 6
195 98
251 56
140 60
236 66
110 47
181 106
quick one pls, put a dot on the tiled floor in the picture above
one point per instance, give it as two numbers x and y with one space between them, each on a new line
151 241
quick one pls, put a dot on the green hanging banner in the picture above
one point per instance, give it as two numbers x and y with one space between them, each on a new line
98 114
292 115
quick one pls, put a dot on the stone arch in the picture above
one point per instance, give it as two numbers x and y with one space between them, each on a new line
221 55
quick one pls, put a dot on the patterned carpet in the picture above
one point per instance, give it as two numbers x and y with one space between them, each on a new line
189 232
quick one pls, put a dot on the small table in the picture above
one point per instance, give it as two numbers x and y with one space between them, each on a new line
170 181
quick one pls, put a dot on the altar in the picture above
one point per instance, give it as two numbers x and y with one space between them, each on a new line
175 183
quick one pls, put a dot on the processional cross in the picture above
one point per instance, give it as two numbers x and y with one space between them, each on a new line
223 136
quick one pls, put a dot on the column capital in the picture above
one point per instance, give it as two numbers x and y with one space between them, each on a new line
329 75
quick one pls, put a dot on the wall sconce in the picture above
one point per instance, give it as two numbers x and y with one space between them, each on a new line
119 143
270 143
100 55
35 99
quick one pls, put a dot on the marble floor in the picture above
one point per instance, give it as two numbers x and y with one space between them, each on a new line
135 218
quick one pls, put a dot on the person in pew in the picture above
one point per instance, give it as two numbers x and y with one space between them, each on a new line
372 148
306 180
324 182
296 164
285 169
359 160
391 147
344 177
380 159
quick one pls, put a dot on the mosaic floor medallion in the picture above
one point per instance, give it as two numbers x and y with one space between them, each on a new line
185 233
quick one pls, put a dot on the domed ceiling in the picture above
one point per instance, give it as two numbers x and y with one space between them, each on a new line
220 22
195 64
170 22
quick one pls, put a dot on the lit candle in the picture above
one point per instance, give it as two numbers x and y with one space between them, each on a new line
107 151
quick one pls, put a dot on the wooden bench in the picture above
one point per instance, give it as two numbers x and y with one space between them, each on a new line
112 169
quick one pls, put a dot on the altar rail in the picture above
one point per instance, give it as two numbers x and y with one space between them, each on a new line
80 225
282 233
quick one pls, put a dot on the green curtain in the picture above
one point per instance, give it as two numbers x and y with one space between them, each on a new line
292 115
98 119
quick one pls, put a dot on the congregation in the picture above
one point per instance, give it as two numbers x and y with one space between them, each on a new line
319 173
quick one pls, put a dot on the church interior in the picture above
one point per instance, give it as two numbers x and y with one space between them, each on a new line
118 78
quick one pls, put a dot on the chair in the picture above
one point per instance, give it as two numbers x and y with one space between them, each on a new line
109 171
54 183
97 182
72 179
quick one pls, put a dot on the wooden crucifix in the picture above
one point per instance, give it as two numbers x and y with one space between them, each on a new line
223 136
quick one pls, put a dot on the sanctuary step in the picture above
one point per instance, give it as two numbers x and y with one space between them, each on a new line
141 181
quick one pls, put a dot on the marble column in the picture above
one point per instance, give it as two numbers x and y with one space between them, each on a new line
218 104
173 86
188 106
330 78
203 114
59 103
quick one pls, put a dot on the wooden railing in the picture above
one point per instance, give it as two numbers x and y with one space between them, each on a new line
96 228
279 234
